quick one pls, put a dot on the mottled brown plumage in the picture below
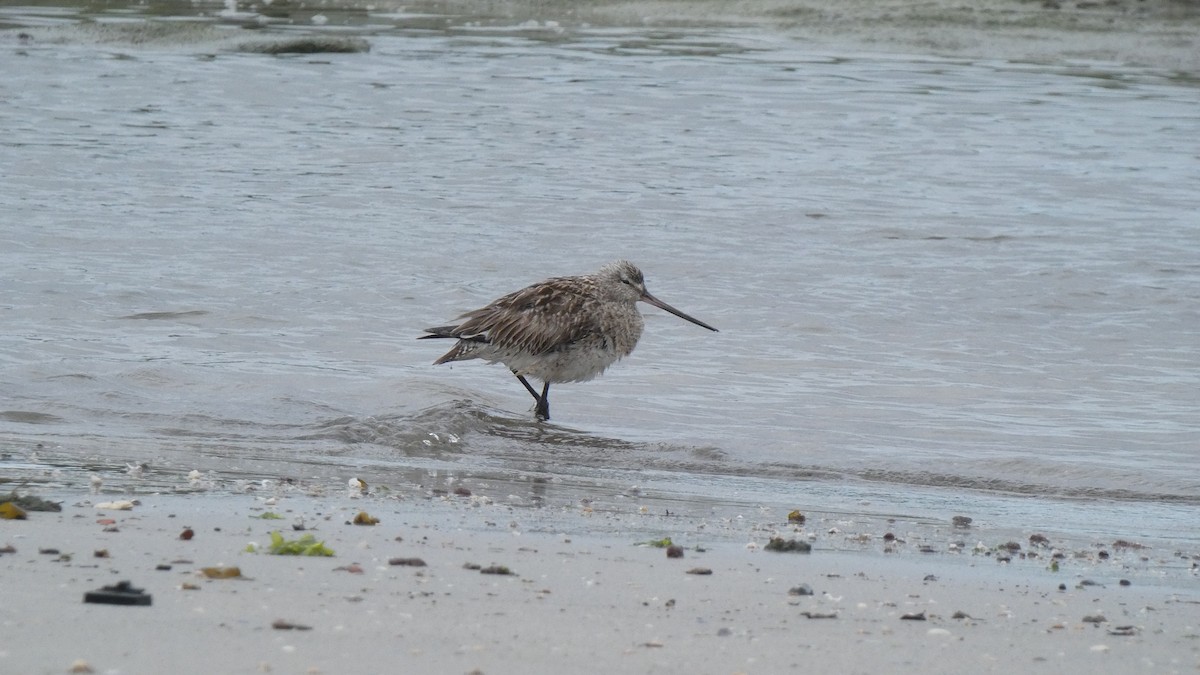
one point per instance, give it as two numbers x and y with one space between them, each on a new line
564 329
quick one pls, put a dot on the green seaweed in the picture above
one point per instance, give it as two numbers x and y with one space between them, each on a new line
306 545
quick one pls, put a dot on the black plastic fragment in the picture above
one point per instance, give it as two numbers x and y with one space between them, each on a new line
123 593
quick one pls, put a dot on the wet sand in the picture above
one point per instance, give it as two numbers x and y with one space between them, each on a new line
1160 34
1154 33
582 596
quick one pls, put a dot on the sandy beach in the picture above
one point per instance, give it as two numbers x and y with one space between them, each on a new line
461 583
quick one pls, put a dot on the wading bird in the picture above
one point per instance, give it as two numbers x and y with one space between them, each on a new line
564 329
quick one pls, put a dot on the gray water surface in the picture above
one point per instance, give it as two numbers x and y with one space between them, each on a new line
942 284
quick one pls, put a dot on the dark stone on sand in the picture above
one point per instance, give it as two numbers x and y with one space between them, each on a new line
802 589
674 551
961 521
121 593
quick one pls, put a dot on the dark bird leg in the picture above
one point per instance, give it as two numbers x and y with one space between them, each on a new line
528 387
543 401
543 406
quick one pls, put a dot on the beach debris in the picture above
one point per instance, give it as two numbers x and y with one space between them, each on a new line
472 566
283 624
62 557
656 543
80 666
1123 582
497 569
962 615
363 518
119 505
913 616
10 511
1132 545
674 551
700 571
162 567
407 562
305 545
781 545
121 593
962 522
796 517
100 553
189 586
95 482
187 534
724 632
819 615
221 572
802 589
1123 630
7 548
462 491
357 487
268 515
1039 540
352 568
31 503
1096 619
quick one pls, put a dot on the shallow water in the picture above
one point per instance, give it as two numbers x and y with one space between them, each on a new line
943 285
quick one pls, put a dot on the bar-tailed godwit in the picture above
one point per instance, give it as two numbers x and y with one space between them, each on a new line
564 329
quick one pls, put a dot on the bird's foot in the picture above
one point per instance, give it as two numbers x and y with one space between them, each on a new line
542 410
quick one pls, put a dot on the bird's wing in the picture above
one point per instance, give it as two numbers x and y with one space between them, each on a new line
536 319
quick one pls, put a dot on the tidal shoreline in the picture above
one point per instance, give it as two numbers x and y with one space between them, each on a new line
460 583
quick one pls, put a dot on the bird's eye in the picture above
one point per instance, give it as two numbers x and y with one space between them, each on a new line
625 281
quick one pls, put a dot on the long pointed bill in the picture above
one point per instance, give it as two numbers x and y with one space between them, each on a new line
651 300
